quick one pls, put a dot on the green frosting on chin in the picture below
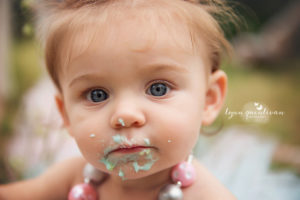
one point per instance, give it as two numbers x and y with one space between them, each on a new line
144 167
147 166
112 161
109 166
122 175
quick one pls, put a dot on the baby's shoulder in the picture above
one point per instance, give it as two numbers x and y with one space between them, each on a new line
206 186
68 171
63 175
55 183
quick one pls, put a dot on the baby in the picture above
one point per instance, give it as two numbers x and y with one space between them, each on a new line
136 80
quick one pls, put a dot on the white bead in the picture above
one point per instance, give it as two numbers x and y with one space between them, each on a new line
91 173
170 192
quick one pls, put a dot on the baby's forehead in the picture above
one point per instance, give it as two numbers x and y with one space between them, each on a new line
136 30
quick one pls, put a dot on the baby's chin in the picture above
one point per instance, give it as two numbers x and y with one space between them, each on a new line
127 172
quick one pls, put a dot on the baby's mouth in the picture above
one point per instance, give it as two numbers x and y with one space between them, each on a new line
123 149
129 149
139 157
124 146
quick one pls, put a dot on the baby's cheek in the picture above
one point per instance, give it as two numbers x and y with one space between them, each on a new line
87 141
178 140
184 136
86 146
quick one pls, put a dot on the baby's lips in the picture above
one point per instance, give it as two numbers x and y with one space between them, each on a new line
131 149
128 149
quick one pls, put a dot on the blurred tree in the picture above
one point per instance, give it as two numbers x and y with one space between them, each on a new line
264 10
276 42
4 75
22 18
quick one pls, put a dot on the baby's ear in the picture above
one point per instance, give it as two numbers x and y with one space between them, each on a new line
62 110
215 96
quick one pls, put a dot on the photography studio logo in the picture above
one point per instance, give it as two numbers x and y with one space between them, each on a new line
254 112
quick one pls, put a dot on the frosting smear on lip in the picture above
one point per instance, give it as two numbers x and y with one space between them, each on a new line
139 161
120 139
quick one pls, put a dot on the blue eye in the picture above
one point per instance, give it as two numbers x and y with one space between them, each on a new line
158 89
97 95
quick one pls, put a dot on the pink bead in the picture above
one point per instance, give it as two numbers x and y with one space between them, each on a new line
185 173
83 191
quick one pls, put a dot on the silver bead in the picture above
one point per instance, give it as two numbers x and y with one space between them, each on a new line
170 192
90 173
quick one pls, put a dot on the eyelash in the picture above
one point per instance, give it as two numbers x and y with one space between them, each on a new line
167 83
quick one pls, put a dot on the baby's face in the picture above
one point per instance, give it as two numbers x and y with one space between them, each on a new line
158 92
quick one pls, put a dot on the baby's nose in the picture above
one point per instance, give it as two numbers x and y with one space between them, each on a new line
128 116
127 121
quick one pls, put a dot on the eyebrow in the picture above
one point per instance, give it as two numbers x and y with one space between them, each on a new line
83 78
166 67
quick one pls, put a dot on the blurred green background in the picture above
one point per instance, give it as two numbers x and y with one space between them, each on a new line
276 85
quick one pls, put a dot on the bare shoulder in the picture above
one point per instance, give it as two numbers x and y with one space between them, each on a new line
68 171
206 186
55 183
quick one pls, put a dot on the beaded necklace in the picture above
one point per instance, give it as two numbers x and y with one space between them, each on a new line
183 175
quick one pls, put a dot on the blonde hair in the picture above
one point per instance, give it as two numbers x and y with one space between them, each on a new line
68 27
